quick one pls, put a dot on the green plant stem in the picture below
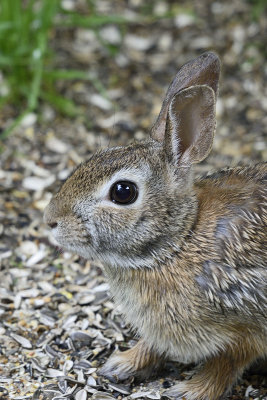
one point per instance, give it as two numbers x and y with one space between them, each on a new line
37 77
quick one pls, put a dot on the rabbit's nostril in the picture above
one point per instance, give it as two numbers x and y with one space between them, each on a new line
53 225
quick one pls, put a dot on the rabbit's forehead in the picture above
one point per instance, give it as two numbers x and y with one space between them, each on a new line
98 181
105 168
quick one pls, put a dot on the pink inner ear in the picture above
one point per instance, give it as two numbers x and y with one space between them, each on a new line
192 123
188 124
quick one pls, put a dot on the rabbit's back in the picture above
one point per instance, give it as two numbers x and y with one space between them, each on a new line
233 216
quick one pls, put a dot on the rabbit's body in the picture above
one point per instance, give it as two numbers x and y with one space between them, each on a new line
167 312
186 260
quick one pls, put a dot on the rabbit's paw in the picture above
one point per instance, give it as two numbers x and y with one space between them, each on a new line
184 391
118 367
139 361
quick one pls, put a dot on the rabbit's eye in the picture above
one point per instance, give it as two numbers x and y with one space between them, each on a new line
123 192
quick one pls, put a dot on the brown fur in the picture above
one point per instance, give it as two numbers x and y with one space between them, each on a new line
187 260
166 302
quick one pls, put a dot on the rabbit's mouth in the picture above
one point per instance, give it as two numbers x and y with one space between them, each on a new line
76 244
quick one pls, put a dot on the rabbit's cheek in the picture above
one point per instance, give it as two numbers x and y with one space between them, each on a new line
111 226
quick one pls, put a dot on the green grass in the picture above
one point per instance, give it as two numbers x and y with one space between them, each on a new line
24 35
26 59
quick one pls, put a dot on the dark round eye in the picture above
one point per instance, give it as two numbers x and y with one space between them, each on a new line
123 192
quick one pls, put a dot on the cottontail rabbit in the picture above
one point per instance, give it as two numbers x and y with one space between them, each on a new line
185 260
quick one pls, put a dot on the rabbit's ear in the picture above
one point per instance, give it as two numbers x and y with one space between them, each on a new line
203 70
190 125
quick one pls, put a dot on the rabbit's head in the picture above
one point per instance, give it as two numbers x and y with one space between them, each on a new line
126 206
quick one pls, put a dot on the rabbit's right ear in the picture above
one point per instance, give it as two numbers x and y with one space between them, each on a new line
186 122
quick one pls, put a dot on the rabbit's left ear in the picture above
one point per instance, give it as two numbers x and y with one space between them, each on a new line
186 122
190 125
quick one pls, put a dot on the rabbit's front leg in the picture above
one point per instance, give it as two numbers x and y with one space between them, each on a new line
217 376
139 361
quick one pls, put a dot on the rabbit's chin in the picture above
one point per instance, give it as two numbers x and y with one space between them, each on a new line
83 251
75 247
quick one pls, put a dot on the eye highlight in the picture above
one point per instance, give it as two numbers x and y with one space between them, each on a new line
123 192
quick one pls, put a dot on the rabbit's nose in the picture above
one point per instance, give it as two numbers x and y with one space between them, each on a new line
50 220
50 215
52 224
